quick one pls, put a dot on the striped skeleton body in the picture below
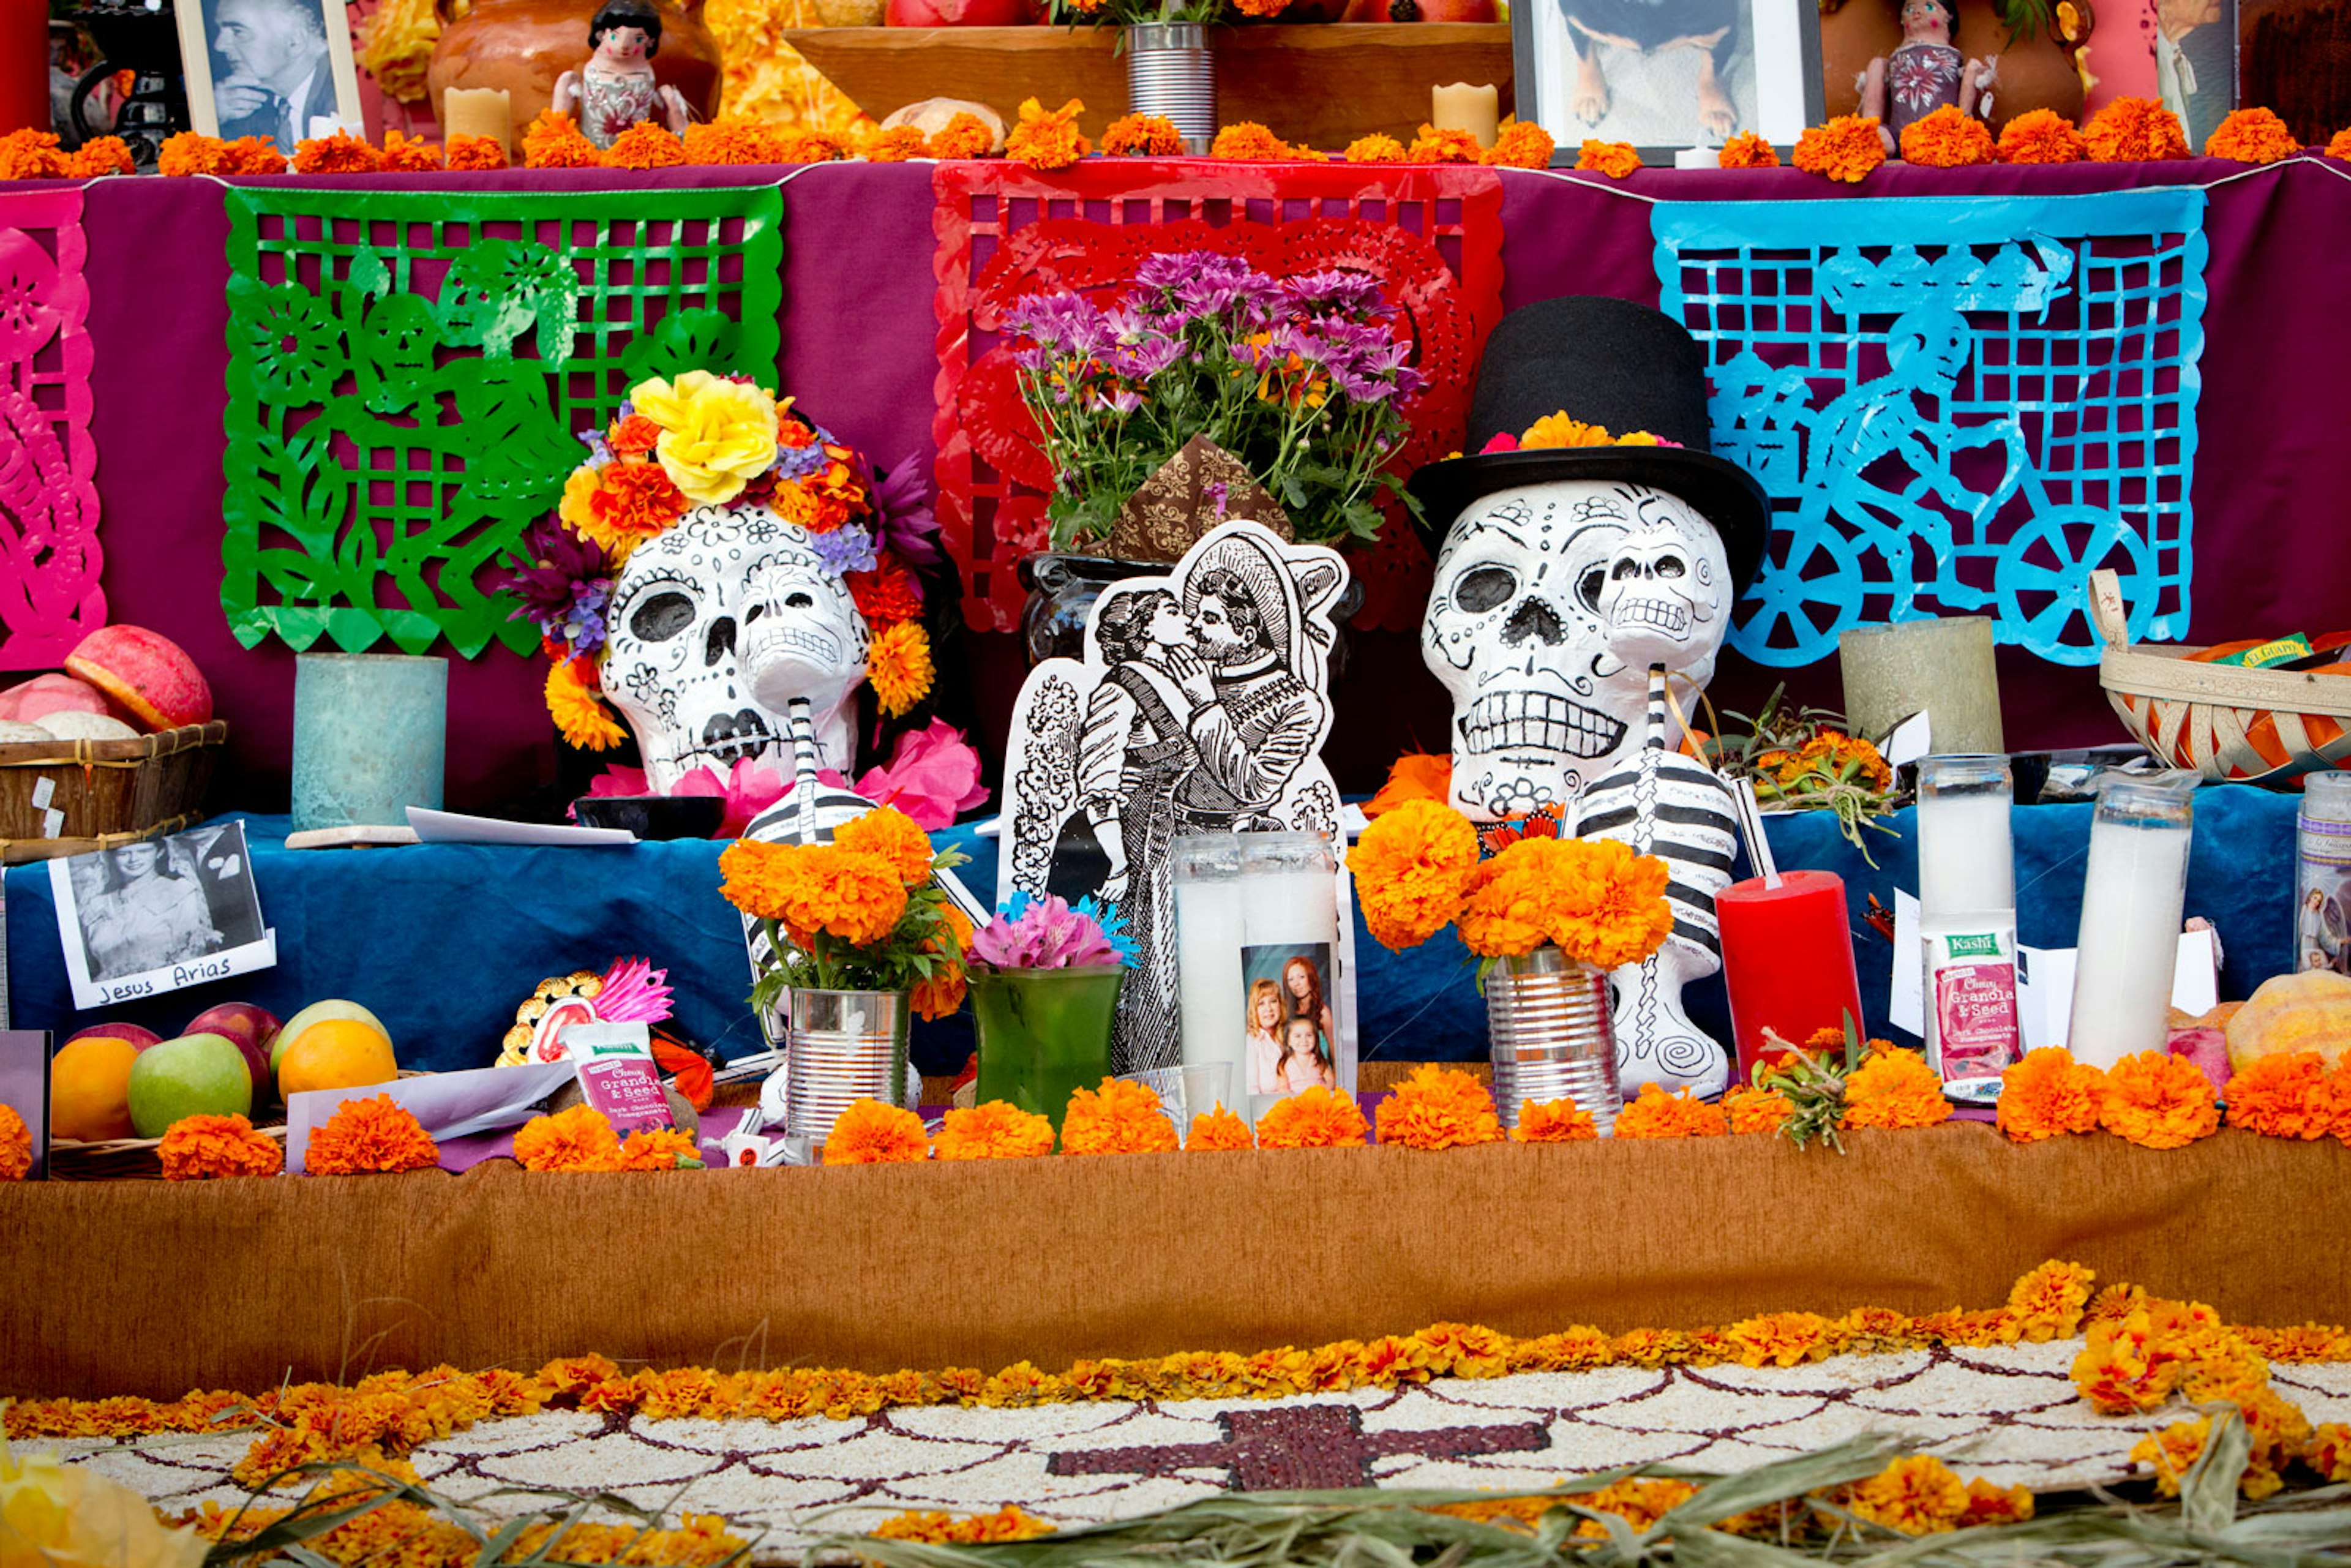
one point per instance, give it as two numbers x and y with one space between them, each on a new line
1667 805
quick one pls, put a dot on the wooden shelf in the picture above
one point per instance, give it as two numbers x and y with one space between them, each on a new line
1319 84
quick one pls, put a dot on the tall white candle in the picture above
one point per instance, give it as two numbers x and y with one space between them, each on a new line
1210 931
2132 899
1967 865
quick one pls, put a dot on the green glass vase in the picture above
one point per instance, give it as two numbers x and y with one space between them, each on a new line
1044 1033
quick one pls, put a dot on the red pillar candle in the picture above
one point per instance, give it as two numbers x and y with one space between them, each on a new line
1787 958
23 65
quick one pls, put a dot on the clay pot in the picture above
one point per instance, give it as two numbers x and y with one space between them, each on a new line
2033 73
523 46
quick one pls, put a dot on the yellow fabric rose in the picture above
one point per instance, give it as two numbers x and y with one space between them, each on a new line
715 434
57 1516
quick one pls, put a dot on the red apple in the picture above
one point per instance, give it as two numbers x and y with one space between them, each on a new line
45 695
141 1038
151 676
959 13
252 1029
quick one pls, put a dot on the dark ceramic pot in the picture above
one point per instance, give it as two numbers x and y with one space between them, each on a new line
652 818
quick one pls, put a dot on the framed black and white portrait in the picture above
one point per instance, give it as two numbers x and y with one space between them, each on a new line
1666 75
276 68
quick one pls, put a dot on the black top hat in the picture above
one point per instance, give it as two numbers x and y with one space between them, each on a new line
1608 363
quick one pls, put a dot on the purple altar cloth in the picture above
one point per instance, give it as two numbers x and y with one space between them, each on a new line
857 351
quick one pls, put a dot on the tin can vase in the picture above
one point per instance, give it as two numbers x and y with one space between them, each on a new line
1170 72
1547 1023
1044 1033
842 1047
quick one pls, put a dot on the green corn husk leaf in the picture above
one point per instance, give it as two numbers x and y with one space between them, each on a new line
1780 1481
2208 1492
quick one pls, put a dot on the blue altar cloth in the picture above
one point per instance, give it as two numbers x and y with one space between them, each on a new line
443 942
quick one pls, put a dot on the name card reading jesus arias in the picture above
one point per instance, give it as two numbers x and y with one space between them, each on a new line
160 915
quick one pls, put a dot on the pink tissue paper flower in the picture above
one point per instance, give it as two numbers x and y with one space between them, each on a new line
1047 933
933 776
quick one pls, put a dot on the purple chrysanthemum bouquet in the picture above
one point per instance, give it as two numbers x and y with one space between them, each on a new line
1302 379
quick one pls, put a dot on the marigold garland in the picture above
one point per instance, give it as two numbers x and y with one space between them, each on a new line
1412 865
897 144
1247 141
1915 1495
2159 1100
1047 140
2252 136
806 145
15 1145
1947 138
1432 145
1520 144
555 141
2050 1302
30 154
1752 1110
2048 1093
1218 1132
576 1139
100 156
2172 1452
1377 148
1142 136
1895 1089
963 136
188 153
1658 1114
899 664
1437 1107
733 139
201 1148
871 1134
660 1149
1747 151
2135 130
475 154
1845 149
645 145
2288 1096
369 1136
2338 146
1316 1118
1553 1122
1120 1117
341 153
993 1130
1010 1522
405 154
1615 159
2042 136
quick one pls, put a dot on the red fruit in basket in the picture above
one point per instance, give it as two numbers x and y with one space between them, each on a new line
45 695
139 1038
959 13
252 1028
150 676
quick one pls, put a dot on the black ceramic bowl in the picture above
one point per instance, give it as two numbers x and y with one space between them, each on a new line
653 817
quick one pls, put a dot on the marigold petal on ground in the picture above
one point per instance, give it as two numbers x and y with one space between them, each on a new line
1917 1495
1844 149
869 1133
939 1528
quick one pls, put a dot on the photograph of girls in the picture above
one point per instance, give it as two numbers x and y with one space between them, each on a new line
1293 1035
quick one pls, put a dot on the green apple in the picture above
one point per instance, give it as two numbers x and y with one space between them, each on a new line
318 1013
195 1075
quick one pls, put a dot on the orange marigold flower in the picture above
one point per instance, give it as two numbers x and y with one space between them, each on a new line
1316 1118
898 144
199 1148
660 1149
1047 140
1947 138
100 156
2339 144
1415 776
2135 130
1560 430
1553 1122
1438 1108
963 136
372 1136
475 154
2049 1092
1412 865
1639 1500
1782 1339
808 888
899 665
253 155
1747 151
1658 1114
2288 1096
2159 1100
2173 1451
1917 1495
621 504
1006 1524
1845 150
1376 148
578 1139
1991 1504
15 1145
1142 136
808 146
2042 136
2329 1450
1615 159
2121 1369
1121 1117
1522 145
2049 1302
645 145
943 992
1596 900
577 705
187 152
1434 146
871 1134
994 1130
893 836
1751 1110
556 142
2252 136
1247 141
1218 1132
1895 1089
734 138
32 155
342 154
405 154
1845 757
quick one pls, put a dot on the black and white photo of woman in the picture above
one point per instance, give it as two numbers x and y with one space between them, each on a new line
148 913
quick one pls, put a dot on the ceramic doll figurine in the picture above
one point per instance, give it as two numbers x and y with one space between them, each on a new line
1925 72
616 90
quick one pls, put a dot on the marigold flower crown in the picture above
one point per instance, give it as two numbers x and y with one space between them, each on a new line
720 441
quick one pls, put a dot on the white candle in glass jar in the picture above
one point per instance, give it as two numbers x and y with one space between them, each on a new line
2132 900
1967 865
1210 931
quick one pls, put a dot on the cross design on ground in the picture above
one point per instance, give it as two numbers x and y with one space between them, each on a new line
1311 1447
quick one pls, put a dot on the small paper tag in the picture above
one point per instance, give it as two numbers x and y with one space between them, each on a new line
53 822
44 790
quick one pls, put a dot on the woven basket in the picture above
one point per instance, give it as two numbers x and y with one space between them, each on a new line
120 1158
2226 722
105 792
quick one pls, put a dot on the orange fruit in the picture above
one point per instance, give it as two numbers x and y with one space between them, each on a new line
336 1053
89 1089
